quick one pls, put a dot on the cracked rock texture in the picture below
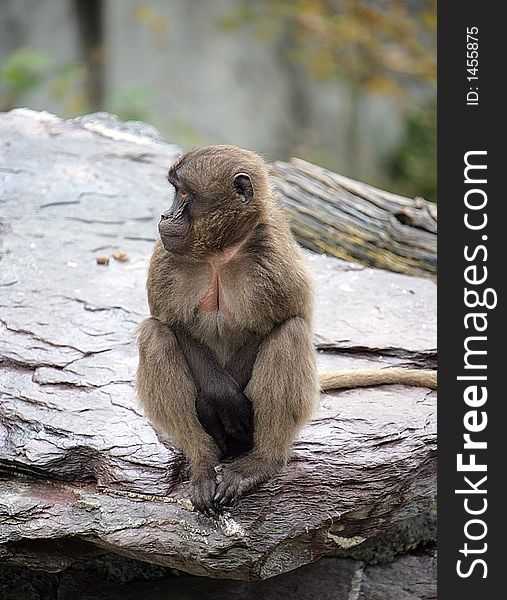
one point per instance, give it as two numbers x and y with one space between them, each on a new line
78 459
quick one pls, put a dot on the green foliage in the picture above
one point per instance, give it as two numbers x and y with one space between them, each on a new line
413 167
385 47
130 103
25 70
376 44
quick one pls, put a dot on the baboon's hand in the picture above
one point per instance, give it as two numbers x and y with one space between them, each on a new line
227 417
202 492
233 485
223 410
241 476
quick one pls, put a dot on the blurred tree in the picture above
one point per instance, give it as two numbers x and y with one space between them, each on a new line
413 166
90 28
79 85
154 23
377 46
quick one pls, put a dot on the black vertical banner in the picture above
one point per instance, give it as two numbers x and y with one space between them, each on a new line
472 234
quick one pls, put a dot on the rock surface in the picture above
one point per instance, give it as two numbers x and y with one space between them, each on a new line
78 458
409 577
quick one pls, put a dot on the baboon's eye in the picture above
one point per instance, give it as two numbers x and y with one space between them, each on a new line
183 194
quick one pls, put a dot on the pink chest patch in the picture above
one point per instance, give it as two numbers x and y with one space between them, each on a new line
210 302
214 299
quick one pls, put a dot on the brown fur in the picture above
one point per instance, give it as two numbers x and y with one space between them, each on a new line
331 380
238 275
266 284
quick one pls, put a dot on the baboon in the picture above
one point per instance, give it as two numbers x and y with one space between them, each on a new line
226 360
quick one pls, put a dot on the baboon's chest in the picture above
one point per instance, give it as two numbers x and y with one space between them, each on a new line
217 319
217 296
219 293
219 311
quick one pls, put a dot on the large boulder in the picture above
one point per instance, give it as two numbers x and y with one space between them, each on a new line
81 465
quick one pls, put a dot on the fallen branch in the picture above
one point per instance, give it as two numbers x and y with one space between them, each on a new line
354 221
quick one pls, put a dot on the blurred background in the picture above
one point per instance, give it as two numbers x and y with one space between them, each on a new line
347 84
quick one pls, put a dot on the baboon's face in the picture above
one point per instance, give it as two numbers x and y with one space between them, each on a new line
215 202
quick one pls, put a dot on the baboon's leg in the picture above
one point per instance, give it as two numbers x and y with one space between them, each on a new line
168 395
284 392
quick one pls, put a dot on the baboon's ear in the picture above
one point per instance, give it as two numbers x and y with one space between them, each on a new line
243 186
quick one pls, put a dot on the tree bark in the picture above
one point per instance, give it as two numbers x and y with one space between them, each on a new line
351 220
90 28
